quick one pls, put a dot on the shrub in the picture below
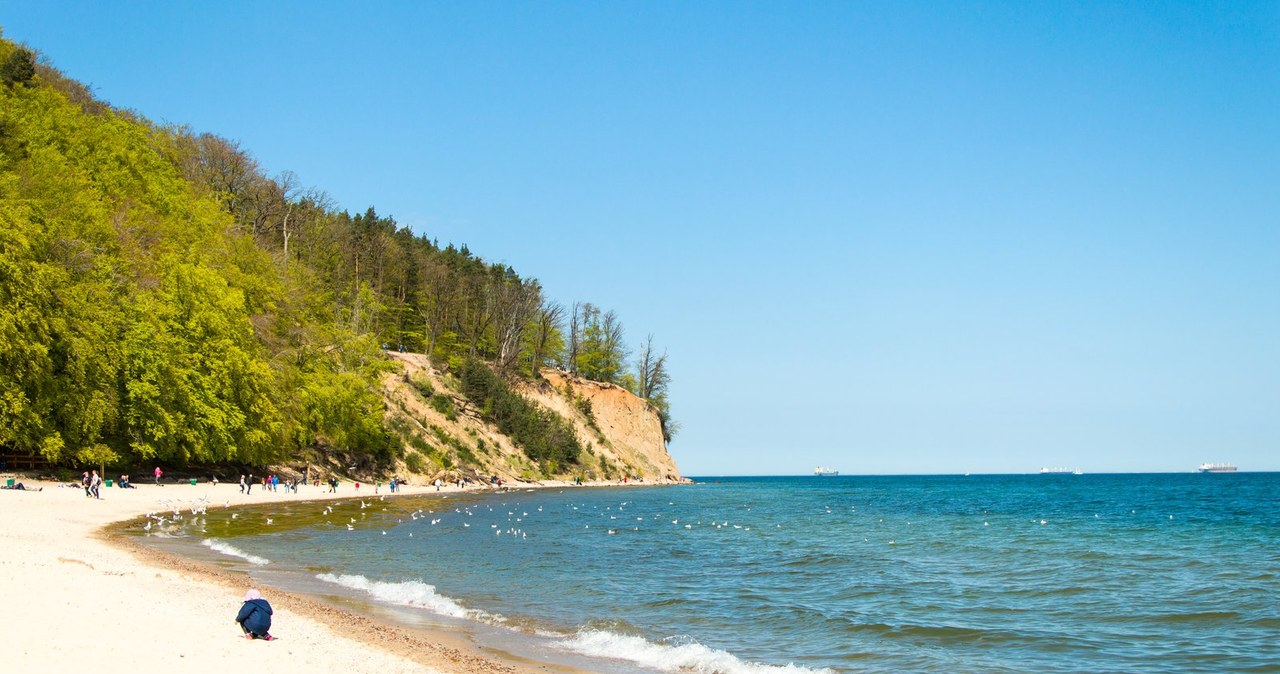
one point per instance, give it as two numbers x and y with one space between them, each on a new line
444 405
423 387
414 462
542 434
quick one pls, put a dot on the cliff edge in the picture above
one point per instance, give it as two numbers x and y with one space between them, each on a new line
446 437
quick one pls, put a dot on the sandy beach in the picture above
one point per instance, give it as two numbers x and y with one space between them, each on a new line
75 592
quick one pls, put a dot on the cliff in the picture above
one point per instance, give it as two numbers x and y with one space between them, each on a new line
446 437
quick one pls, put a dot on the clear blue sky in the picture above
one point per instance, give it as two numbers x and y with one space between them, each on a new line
885 237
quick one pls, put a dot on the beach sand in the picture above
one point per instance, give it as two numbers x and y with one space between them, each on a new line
76 596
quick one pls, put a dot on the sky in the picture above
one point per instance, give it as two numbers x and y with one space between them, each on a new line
880 237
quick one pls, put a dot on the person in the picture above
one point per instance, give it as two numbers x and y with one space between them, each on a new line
255 617
84 482
437 483
18 486
248 485
95 484
125 484
333 485
158 474
241 484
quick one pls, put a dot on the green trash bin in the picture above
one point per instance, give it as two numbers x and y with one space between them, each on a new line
8 482
108 483
193 482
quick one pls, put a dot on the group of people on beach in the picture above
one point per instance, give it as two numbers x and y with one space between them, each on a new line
269 483
92 483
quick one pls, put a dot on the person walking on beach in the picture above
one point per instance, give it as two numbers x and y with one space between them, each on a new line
241 484
84 482
158 474
95 484
248 484
255 617
333 485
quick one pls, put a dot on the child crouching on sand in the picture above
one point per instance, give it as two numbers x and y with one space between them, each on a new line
255 617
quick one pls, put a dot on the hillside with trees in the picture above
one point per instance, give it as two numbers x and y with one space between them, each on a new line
163 300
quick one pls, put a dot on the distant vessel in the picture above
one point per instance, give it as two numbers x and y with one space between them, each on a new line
1061 471
1216 468
825 471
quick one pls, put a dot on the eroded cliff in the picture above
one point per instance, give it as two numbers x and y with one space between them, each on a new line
447 437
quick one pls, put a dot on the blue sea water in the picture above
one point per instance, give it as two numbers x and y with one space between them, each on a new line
1027 573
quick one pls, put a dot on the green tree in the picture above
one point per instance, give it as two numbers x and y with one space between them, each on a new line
19 69
601 354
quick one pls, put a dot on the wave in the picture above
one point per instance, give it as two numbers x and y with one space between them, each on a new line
231 550
678 655
410 593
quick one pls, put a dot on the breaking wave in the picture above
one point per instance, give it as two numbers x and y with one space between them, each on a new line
231 550
675 655
409 593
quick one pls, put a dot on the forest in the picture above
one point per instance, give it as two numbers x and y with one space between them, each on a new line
162 299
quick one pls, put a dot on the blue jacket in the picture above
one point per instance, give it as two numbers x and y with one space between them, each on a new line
255 615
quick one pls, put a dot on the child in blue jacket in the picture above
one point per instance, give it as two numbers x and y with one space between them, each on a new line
255 616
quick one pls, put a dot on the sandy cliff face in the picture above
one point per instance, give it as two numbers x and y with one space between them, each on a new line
621 433
629 431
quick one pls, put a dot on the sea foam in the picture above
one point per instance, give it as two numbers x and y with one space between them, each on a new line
408 593
231 550
676 656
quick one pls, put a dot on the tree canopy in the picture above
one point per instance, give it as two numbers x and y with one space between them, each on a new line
161 298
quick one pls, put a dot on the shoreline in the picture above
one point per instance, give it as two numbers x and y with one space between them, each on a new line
73 574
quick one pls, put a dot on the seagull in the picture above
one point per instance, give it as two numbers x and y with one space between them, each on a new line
350 528
268 520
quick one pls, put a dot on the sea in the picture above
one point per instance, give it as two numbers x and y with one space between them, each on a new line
982 573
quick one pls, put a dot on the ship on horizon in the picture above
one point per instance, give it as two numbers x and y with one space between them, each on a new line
1216 468
1061 471
825 471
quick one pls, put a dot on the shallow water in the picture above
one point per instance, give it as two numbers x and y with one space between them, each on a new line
1035 573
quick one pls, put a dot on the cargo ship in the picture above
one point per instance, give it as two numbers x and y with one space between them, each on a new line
1216 468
